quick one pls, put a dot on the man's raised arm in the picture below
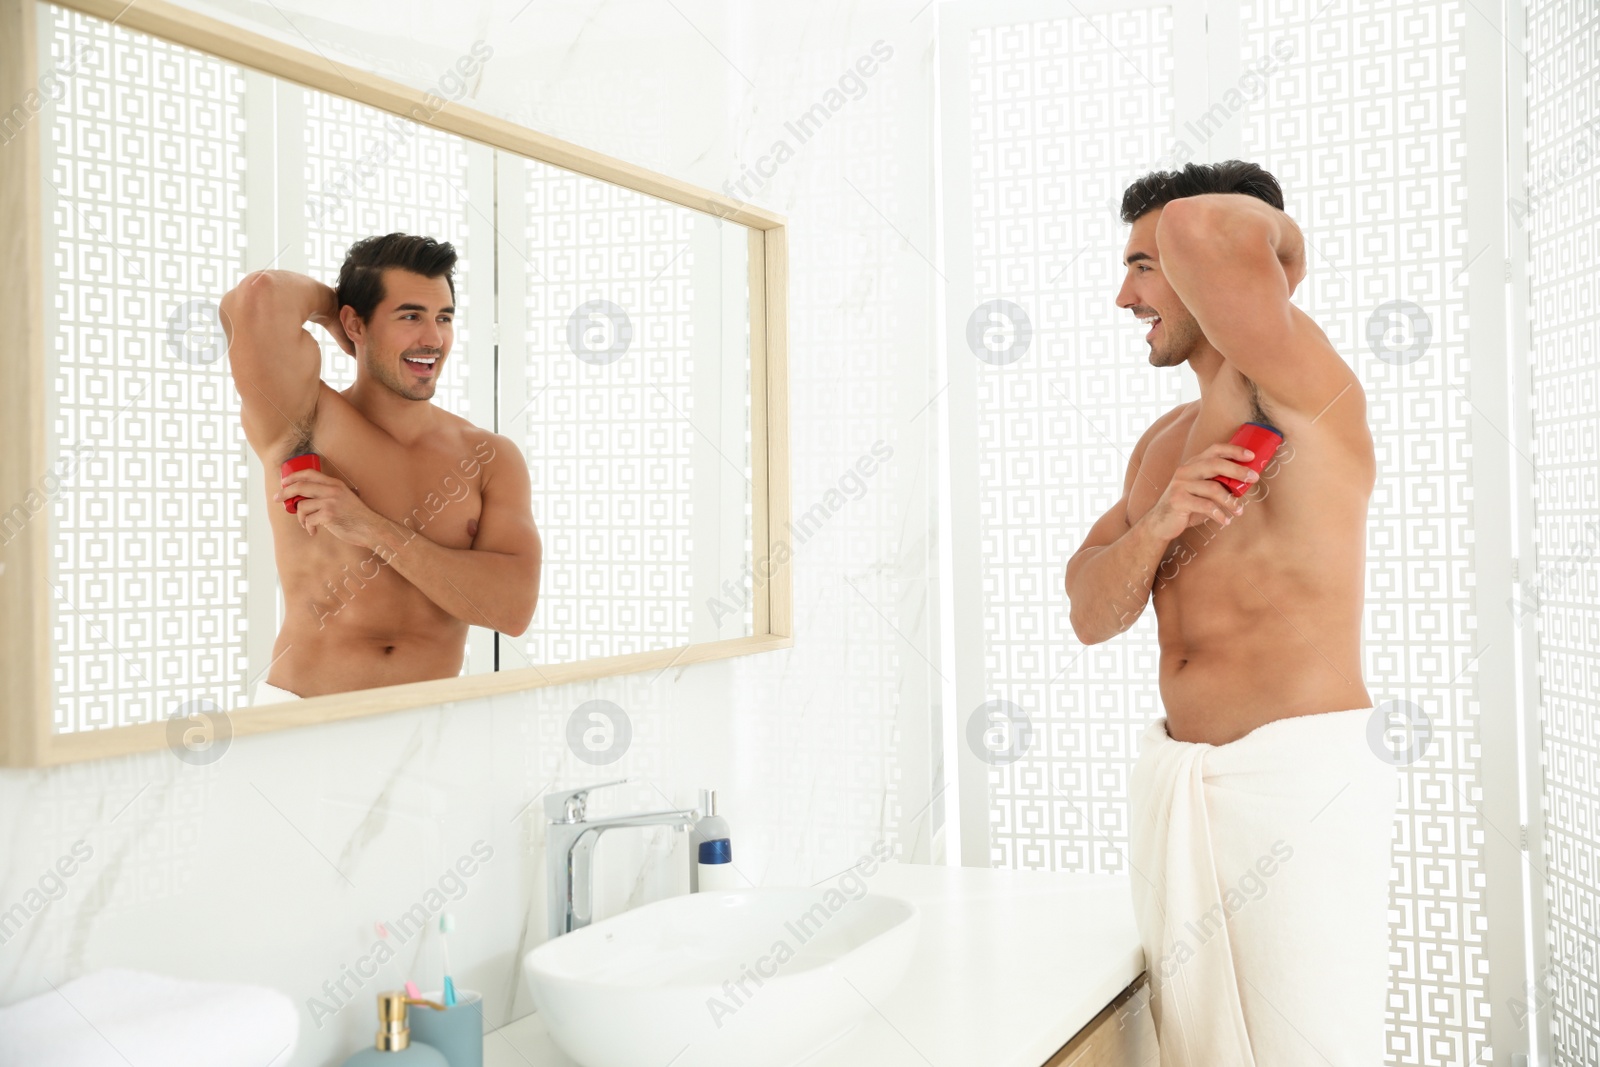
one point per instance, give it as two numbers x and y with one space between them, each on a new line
274 360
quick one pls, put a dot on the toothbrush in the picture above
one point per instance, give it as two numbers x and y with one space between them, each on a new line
411 987
447 922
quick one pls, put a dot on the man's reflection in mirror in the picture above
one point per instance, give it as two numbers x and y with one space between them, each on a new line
418 523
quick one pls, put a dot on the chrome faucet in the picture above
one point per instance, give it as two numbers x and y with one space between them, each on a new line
569 847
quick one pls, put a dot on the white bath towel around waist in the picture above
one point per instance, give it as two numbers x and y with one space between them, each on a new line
267 693
1261 886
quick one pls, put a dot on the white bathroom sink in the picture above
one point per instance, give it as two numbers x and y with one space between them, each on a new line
735 977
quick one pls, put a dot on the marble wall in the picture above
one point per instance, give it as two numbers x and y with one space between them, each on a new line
273 864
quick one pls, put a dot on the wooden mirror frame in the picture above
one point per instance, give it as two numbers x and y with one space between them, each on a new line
27 738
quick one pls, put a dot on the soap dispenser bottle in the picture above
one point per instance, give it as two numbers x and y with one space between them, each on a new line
711 849
394 1047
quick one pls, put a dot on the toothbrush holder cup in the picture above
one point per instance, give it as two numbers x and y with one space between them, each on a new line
457 1032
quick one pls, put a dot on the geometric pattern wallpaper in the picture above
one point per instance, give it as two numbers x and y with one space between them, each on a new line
608 415
143 207
1560 211
1363 129
145 225
1058 114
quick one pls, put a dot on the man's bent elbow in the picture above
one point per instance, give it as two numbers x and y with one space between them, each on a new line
523 620
1079 558
1081 632
257 283
1084 636
1089 633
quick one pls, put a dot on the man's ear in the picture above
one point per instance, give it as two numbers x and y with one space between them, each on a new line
354 328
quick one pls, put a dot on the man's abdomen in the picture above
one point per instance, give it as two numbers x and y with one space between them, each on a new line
1262 622
1218 695
311 662
359 627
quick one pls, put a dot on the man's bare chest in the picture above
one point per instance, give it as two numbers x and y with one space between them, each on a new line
1309 504
427 491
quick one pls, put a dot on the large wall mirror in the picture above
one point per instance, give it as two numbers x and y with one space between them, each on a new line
608 391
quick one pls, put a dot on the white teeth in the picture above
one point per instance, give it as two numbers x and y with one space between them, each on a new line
425 362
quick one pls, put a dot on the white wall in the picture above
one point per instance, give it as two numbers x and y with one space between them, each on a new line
272 864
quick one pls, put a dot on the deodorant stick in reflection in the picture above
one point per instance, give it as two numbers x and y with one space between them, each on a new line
1262 440
299 463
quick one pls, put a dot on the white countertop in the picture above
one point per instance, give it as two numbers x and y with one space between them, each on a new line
1009 965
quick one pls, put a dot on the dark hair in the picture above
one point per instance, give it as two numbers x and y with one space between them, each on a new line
1161 187
361 277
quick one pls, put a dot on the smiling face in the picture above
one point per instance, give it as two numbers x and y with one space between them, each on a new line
413 323
1146 293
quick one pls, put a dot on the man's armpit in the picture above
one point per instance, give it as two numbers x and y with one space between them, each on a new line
301 444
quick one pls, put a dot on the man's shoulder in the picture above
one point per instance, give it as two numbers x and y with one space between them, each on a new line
470 432
490 449
455 427
1167 418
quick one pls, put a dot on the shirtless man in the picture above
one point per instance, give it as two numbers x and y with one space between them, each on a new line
419 523
1261 622
1264 766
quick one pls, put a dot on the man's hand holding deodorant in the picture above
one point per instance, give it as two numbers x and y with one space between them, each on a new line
304 461
1206 486
1262 441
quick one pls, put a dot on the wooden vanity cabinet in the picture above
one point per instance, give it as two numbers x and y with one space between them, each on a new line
1122 1035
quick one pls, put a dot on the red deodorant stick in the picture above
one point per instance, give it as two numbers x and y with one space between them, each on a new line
299 463
1262 440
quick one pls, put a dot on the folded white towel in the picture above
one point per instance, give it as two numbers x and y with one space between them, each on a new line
1261 886
114 1018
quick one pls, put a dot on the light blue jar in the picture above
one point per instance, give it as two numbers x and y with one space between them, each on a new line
394 1046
